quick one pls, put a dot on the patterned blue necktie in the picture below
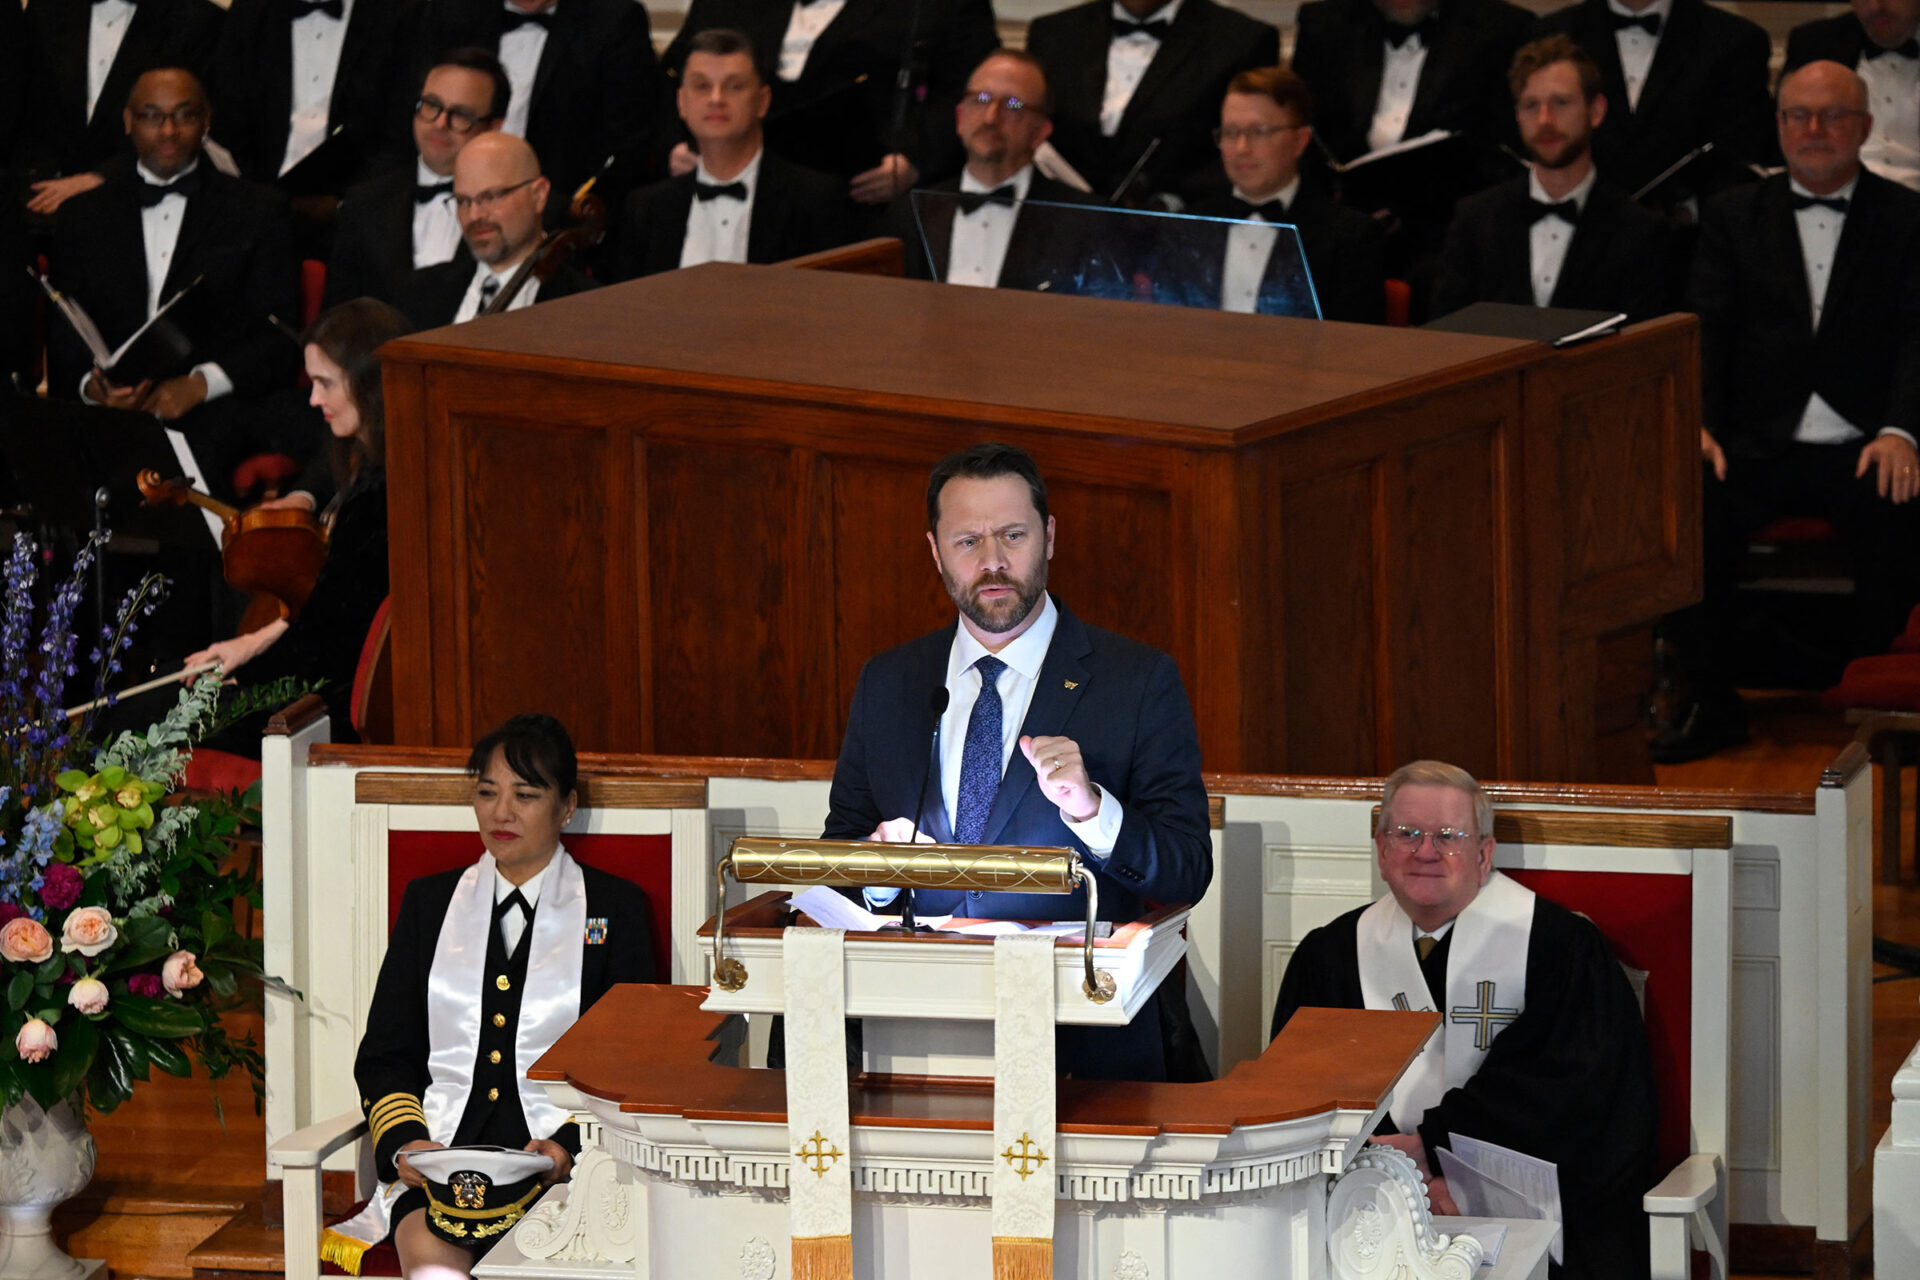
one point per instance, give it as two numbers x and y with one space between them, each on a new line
980 758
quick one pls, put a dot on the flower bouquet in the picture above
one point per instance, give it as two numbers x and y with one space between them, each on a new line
118 950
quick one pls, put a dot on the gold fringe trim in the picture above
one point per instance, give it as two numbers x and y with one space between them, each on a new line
343 1252
1021 1258
823 1258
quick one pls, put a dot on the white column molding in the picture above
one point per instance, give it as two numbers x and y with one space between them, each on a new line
1380 1228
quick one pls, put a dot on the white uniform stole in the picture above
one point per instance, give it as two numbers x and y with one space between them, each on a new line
1486 986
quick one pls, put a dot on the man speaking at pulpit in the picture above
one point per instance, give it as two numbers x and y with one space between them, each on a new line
1020 724
1542 1049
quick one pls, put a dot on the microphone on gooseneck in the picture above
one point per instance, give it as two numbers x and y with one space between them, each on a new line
936 707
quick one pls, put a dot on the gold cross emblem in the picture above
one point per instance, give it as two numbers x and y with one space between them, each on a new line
1028 1154
1484 1015
820 1158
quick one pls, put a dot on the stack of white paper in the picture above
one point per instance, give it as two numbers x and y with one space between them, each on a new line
1491 1181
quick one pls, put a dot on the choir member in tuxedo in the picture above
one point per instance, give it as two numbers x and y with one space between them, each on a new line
741 203
1808 290
499 194
1677 74
1388 71
392 225
982 236
586 85
13 80
1562 1072
485 968
1563 236
1053 732
81 61
1880 40
1128 73
163 219
838 104
1266 125
310 95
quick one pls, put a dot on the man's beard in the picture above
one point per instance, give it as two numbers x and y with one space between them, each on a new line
1004 615
1571 149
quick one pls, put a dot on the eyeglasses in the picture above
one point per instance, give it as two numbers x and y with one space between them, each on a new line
459 120
184 117
1228 134
1446 840
1829 117
487 199
1005 101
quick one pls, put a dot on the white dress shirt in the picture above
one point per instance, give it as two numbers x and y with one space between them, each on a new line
1399 80
1549 237
106 28
1636 47
159 235
478 294
1893 95
436 226
317 40
513 924
1820 228
717 229
519 53
1128 58
803 30
977 249
1248 249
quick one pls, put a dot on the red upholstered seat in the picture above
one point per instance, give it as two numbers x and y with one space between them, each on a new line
1888 681
211 770
313 287
381 1260
1399 303
1908 641
264 471
1794 531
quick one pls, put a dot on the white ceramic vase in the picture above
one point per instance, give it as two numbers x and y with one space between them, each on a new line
46 1157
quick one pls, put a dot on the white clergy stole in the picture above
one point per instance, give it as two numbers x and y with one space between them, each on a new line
1486 986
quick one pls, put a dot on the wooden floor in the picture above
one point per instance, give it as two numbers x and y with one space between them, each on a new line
171 1172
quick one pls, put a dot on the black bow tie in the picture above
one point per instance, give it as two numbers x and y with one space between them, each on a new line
514 19
714 190
1911 49
512 901
1567 209
1270 210
1157 28
102 1
970 201
1647 22
1398 35
335 9
1836 203
431 191
186 185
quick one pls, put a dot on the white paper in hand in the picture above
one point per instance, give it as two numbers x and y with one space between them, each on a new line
1499 1182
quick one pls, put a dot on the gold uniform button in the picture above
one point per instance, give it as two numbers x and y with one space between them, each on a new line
494 1057
499 1019
493 1095
502 983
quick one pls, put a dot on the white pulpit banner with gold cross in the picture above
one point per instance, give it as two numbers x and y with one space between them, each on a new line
819 1134
1024 1084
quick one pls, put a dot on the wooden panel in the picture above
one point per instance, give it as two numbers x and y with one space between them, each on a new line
1610 456
1614 830
1325 541
595 792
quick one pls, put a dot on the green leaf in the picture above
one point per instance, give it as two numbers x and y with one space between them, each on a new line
169 1057
110 1083
19 989
51 968
220 980
79 1039
161 1019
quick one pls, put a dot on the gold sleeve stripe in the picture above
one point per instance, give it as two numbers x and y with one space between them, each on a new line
380 1131
395 1108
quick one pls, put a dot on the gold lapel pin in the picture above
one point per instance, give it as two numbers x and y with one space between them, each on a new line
1072 684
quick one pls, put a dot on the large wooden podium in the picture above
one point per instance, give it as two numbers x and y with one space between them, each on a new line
680 514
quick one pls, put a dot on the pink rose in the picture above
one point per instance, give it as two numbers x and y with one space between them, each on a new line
145 984
60 886
25 941
36 1041
89 995
180 973
89 931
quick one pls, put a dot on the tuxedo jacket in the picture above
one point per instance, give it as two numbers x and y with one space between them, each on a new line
1339 52
161 33
1042 253
234 237
1760 356
13 82
1178 101
251 85
1707 83
1616 261
394 1049
795 211
430 296
373 240
595 91
838 117
1345 251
